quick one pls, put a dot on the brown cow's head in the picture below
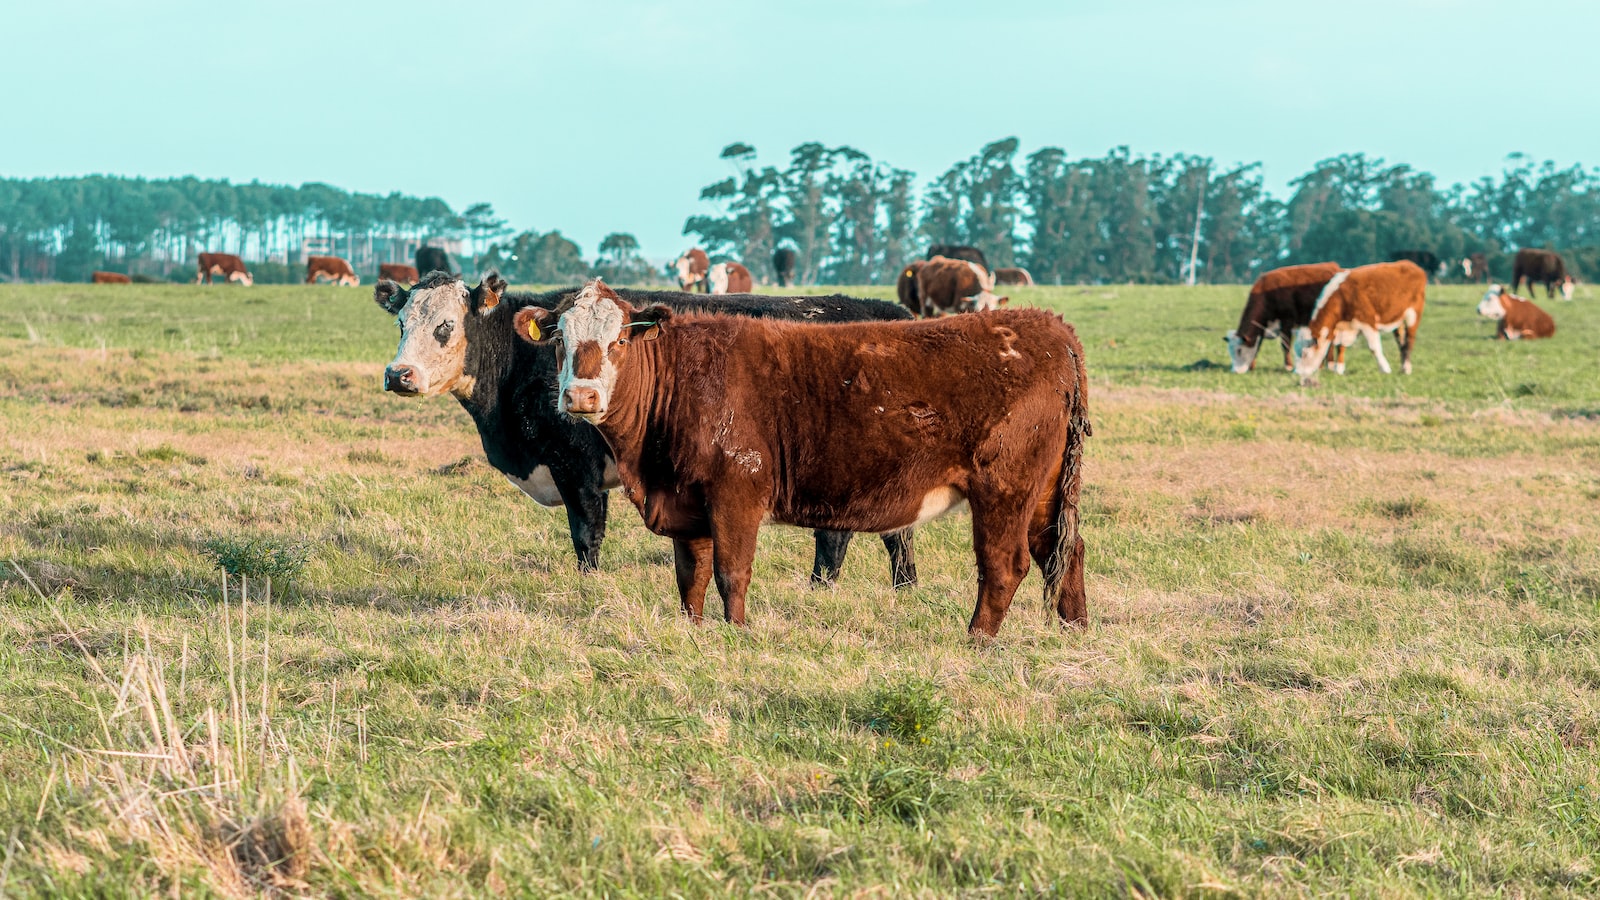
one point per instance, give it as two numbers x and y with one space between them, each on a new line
593 337
432 316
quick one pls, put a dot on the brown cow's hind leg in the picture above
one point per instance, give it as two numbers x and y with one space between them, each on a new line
1000 540
691 562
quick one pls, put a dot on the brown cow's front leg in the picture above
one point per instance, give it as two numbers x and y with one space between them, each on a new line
691 562
733 537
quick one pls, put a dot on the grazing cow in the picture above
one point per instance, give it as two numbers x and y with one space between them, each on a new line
1016 275
692 268
730 278
906 287
460 340
959 251
783 263
1364 302
1518 317
721 423
1545 266
1475 268
398 272
223 265
110 278
333 268
433 259
1280 301
955 285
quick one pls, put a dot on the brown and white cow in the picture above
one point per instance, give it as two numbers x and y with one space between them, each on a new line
1545 266
333 268
222 265
1280 301
1518 318
692 267
1015 275
1475 267
946 285
109 278
397 272
906 286
1364 302
730 278
720 424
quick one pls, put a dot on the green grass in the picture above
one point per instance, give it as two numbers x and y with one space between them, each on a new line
1343 639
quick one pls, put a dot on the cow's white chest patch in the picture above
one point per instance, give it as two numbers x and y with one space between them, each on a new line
541 487
937 502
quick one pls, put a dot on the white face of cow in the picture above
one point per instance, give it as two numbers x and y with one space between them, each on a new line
1491 306
431 358
241 277
719 278
1307 353
685 276
1566 289
1466 266
593 338
1242 355
986 301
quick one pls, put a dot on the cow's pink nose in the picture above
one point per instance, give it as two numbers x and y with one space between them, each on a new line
582 400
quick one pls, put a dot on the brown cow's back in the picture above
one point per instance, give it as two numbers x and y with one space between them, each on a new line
110 278
1364 302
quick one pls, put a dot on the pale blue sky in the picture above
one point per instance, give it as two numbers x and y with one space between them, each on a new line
608 116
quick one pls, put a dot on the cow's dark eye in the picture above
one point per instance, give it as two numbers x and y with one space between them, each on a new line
442 333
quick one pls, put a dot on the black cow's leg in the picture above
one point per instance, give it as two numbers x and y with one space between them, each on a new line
585 498
902 549
831 548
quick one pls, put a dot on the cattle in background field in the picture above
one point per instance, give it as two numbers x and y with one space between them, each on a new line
1013 275
1517 317
1475 267
692 268
1280 301
955 285
959 251
333 268
783 263
730 278
1426 260
398 272
222 265
462 341
110 278
1364 302
767 422
906 287
1546 266
433 259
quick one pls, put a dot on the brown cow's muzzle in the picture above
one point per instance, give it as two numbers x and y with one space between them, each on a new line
400 380
581 401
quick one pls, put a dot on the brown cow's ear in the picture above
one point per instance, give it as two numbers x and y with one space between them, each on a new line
648 322
392 297
1002 301
532 323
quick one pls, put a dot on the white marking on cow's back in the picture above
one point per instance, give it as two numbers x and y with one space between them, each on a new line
1327 291
937 502
538 485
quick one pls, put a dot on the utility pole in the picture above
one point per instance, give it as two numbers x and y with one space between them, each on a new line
1199 209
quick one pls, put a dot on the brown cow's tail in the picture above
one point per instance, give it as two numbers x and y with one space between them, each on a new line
1065 520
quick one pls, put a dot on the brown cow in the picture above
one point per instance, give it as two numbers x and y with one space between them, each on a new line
399 272
1541 266
1016 275
1280 301
947 285
1518 317
1475 267
906 287
333 268
224 265
692 267
721 423
110 278
1364 302
730 278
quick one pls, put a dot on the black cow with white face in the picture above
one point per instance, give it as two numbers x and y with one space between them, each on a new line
462 341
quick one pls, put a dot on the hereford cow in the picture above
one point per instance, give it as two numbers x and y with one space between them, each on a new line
461 341
1547 266
1518 317
720 424
398 272
433 259
225 266
783 263
730 278
955 285
692 268
333 268
1280 301
1364 302
906 287
1013 275
1475 268
110 278
959 251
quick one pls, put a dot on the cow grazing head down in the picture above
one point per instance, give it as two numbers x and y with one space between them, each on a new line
432 316
1243 355
593 336
1566 288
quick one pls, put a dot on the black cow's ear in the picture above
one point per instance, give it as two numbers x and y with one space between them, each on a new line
533 323
650 321
486 296
392 297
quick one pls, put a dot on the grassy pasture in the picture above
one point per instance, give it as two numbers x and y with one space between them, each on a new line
1344 639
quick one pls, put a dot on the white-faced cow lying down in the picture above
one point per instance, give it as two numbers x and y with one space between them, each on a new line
946 285
1364 302
730 278
1280 301
720 423
692 268
1518 317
